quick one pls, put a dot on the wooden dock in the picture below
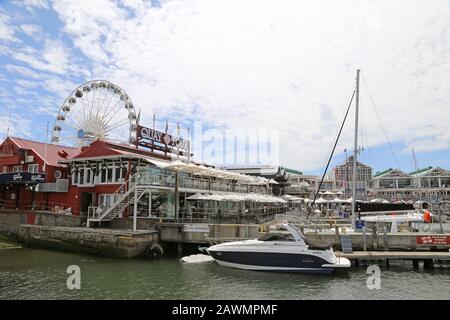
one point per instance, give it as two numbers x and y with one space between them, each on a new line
429 258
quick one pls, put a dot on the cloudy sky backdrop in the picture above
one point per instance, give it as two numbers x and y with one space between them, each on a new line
279 65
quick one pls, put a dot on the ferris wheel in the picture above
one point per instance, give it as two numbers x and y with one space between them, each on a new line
97 109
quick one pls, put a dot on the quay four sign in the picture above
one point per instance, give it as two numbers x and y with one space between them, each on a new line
155 139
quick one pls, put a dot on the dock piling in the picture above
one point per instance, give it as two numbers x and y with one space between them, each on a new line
385 238
364 239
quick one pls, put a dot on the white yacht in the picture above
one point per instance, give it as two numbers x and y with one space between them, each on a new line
281 251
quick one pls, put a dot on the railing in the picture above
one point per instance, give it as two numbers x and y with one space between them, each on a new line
168 180
61 185
54 207
193 183
100 211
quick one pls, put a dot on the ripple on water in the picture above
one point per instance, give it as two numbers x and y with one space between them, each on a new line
38 274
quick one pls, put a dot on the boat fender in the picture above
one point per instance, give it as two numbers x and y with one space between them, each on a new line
154 250
427 216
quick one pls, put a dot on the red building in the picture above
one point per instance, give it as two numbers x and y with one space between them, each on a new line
36 175
101 168
105 180
31 175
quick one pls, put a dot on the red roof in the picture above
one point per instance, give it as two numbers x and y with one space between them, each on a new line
101 148
47 152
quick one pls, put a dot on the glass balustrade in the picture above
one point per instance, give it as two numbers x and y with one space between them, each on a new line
167 179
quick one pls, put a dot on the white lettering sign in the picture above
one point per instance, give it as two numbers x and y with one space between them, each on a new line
204 228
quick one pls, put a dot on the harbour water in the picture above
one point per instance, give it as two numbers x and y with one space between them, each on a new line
39 274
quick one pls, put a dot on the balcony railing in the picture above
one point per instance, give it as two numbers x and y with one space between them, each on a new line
189 182
61 185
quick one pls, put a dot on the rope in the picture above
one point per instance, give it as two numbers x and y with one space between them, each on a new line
381 124
331 155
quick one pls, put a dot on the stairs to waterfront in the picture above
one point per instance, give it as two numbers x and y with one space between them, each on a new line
123 200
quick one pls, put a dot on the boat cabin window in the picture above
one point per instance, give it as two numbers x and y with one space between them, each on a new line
277 237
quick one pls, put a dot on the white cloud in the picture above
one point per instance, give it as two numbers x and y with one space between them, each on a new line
30 5
14 126
26 72
285 65
7 32
54 57
31 29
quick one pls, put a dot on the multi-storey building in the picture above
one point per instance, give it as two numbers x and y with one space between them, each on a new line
429 184
343 176
31 174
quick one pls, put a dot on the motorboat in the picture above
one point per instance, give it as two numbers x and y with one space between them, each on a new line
283 251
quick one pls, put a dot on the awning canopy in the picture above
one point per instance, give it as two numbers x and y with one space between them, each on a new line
212 172
321 200
238 197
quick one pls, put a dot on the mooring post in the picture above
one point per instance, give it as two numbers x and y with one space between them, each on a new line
135 209
338 242
385 238
428 264
415 264
180 242
364 239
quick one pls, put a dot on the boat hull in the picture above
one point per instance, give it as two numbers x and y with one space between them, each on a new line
271 261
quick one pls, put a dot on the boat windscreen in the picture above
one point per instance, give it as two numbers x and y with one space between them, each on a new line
277 237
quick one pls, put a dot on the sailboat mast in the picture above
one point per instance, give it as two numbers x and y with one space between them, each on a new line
355 150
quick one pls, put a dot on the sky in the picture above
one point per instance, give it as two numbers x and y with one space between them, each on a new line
286 67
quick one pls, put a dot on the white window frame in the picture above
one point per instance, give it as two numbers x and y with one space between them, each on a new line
18 168
33 168
5 169
114 178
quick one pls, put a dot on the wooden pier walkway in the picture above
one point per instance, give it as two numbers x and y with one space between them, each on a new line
395 255
430 259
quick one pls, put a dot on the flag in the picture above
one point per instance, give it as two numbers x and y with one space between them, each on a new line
167 126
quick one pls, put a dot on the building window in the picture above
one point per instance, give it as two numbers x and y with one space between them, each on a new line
17 168
89 176
33 168
75 177
102 175
109 177
5 169
81 179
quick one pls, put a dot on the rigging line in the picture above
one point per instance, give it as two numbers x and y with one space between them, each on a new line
381 124
331 155
369 158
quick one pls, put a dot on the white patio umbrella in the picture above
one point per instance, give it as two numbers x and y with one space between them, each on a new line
198 196
321 200
337 200
349 200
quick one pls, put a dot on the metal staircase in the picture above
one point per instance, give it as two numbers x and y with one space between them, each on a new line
123 199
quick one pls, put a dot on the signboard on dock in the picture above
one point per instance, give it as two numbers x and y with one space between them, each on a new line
433 239
359 224
203 228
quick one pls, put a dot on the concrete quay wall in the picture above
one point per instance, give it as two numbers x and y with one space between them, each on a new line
11 220
106 242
